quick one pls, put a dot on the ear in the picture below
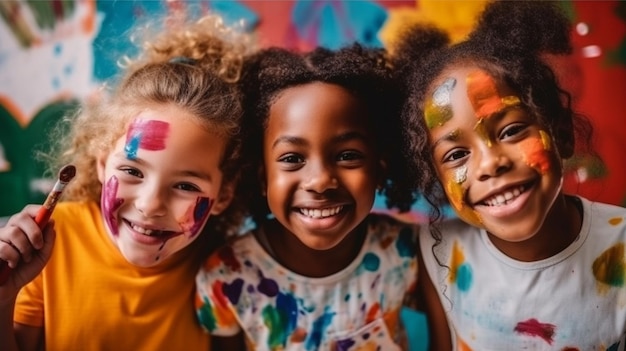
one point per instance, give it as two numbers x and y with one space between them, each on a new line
224 198
100 166
382 174
262 180
565 141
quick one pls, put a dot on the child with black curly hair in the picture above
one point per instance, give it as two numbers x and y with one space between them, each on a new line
319 271
525 266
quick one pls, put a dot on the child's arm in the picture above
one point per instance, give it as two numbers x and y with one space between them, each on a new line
438 329
26 249
234 343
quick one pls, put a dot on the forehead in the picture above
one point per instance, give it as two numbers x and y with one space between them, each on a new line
319 107
468 84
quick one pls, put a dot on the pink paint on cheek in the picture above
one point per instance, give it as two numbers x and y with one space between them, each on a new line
196 216
110 203
147 135
533 327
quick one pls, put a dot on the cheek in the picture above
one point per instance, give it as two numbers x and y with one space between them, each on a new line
195 216
453 186
110 203
536 152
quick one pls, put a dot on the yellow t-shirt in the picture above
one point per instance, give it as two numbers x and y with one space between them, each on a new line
89 297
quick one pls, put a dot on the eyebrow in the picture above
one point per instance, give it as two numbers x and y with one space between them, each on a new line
452 136
185 173
337 139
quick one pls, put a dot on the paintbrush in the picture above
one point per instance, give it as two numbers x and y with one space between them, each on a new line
66 174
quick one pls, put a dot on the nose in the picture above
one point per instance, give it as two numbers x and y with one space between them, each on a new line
151 201
492 162
319 177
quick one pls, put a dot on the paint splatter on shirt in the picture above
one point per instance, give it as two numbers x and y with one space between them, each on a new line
574 300
243 288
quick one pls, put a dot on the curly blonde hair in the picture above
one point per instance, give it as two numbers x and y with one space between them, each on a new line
193 65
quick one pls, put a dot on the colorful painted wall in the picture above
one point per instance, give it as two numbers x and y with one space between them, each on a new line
55 53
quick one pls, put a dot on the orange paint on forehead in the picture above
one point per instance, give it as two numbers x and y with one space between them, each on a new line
535 152
483 94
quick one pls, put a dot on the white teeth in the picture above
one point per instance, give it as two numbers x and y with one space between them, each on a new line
317 213
142 230
506 197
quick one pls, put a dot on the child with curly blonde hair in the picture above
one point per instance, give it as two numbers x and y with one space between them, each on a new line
156 166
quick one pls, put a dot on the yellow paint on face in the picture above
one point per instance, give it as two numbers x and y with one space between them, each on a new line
481 130
438 108
456 195
535 152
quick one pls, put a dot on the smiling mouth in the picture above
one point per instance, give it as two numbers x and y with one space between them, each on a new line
150 232
321 213
506 196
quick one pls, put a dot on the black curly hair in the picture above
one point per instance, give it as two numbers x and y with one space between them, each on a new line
509 42
364 72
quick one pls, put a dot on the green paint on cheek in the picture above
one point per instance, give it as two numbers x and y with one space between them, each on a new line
610 266
438 108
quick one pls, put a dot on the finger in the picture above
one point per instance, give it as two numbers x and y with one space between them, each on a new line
9 254
20 241
50 235
26 222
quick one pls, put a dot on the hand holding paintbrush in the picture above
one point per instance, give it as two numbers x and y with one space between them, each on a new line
16 234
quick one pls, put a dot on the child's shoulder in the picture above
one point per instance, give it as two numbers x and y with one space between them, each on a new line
72 210
384 228
599 214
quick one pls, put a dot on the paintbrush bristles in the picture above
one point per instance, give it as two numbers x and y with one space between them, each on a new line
67 173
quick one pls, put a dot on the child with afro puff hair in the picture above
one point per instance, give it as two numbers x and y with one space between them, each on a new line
525 265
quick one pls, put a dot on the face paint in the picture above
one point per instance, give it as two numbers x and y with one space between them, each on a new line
481 130
109 204
484 97
196 216
147 135
438 109
456 195
535 152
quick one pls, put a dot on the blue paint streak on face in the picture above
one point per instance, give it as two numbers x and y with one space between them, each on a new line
405 244
132 145
202 207
314 338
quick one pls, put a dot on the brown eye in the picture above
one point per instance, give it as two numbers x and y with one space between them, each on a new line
512 130
291 158
455 155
